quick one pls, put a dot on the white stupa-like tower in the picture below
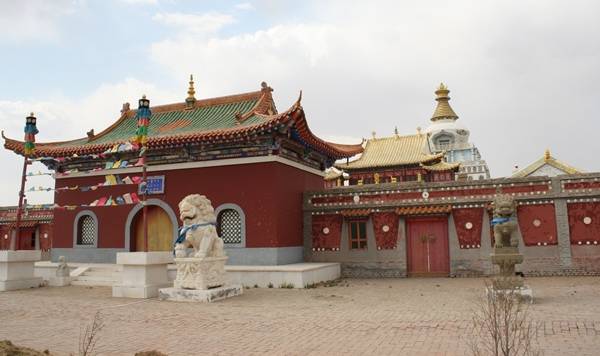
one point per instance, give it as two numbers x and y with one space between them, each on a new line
447 134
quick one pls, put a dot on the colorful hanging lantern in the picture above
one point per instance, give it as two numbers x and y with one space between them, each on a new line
30 132
143 121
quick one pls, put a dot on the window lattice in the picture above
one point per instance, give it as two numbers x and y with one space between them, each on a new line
86 230
230 226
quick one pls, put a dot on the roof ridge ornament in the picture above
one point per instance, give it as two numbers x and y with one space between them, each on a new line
298 104
191 99
443 109
547 155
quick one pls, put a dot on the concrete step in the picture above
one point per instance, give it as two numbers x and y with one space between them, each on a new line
104 269
93 283
101 273
95 280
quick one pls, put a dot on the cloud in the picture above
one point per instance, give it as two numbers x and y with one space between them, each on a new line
136 2
518 73
60 118
37 20
244 6
193 24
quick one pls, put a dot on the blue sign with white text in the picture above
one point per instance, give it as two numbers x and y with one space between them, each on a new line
156 185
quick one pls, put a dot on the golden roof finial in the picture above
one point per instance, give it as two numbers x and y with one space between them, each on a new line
373 134
547 154
191 92
443 109
396 130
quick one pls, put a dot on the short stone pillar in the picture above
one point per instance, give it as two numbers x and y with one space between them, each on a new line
144 273
63 275
16 269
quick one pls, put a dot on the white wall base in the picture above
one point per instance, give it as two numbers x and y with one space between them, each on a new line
17 269
143 274
298 274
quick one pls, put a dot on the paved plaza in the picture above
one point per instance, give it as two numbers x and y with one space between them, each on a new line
358 317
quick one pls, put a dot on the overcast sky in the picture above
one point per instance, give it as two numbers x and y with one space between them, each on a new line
524 75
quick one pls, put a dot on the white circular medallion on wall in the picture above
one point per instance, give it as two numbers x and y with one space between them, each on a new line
356 199
425 194
6 237
385 228
587 220
537 223
469 225
45 235
326 230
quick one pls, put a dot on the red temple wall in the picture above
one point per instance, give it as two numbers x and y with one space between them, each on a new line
537 224
45 243
270 195
4 242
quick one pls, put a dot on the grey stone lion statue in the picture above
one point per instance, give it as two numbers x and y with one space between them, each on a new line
199 229
504 221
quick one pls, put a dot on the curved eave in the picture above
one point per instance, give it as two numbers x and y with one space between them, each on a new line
442 167
62 148
333 150
238 133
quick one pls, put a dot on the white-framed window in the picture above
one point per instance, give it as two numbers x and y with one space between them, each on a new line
85 229
231 225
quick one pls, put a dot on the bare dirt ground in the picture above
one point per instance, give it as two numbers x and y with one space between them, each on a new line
358 317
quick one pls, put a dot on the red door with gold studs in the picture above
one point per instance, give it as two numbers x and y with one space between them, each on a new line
427 246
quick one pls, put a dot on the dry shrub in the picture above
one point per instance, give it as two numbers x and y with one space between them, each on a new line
502 324
87 340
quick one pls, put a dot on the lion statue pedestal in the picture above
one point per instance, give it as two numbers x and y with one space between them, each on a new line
200 273
506 250
199 256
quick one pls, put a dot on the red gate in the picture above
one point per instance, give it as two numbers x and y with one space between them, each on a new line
427 246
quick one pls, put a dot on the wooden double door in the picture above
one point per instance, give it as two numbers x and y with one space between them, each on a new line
427 246
160 230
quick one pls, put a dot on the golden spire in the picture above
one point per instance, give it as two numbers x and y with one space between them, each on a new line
191 99
443 109
547 154
191 90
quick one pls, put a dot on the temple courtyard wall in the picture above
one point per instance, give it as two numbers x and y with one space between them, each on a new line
443 229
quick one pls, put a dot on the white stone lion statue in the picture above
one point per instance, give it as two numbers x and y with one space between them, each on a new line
199 229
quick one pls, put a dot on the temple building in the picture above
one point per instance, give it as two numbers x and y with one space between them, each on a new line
35 232
449 136
546 166
251 161
398 159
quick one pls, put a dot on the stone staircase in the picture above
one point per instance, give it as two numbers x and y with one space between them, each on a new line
97 275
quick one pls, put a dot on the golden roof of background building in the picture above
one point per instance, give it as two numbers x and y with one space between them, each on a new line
393 151
443 109
442 166
332 174
549 160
